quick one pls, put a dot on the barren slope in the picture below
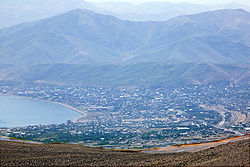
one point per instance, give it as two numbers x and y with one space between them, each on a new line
21 154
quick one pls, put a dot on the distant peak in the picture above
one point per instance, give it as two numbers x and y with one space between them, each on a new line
240 10
81 11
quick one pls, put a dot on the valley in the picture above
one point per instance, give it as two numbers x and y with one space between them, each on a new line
120 84
138 117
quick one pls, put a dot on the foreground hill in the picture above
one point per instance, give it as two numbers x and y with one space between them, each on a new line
84 37
21 154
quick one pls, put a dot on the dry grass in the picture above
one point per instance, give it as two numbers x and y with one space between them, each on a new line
23 154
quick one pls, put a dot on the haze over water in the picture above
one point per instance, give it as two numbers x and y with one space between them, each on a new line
15 112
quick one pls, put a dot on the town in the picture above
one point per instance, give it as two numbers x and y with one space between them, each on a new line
138 117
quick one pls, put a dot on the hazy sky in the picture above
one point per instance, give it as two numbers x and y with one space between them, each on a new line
191 1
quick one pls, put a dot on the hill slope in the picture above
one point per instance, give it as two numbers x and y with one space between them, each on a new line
12 154
142 75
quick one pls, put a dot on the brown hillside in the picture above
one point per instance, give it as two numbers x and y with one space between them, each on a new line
23 154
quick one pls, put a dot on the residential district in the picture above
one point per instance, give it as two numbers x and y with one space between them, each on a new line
138 117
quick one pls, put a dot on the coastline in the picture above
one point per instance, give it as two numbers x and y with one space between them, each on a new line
68 106
49 101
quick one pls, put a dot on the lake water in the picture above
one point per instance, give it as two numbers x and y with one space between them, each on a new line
16 112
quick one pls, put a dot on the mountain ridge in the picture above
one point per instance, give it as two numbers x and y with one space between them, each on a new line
14 12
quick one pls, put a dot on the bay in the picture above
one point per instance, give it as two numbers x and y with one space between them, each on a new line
17 112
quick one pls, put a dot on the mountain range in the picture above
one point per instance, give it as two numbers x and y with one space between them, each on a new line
84 37
94 49
14 12
162 11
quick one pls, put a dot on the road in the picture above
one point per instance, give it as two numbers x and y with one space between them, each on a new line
222 111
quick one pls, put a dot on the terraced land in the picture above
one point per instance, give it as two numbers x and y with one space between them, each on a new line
25 154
